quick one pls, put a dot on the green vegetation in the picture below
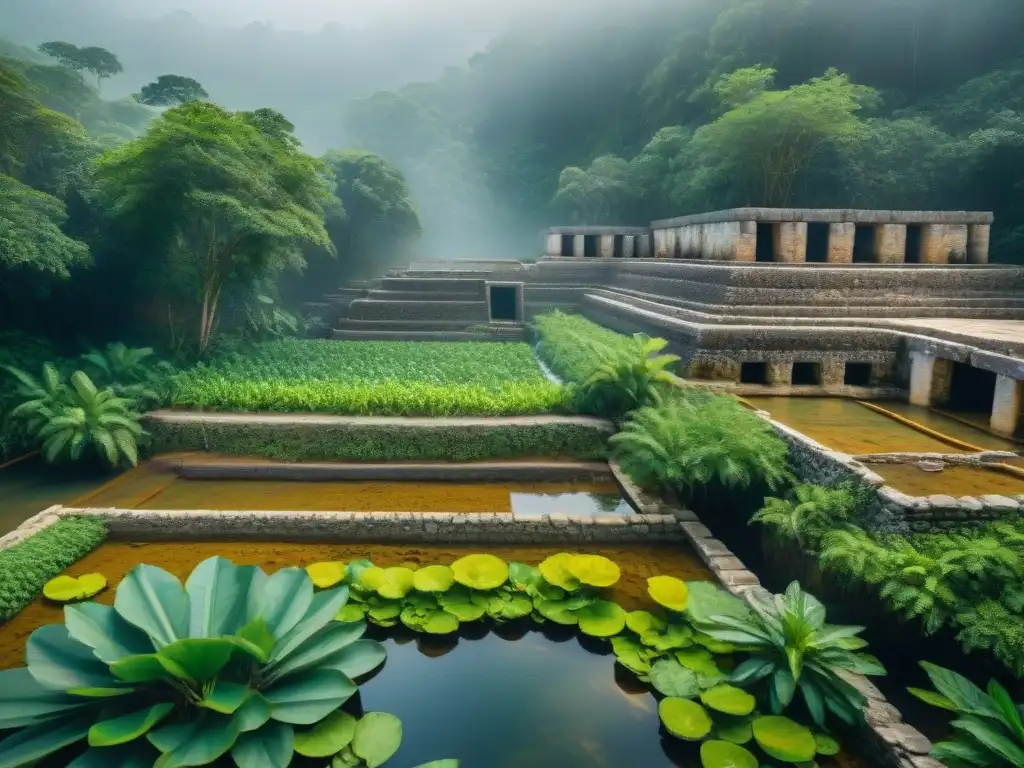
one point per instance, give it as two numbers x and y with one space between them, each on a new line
573 347
988 731
28 565
379 378
971 581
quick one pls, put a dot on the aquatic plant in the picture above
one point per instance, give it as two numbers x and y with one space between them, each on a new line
66 420
692 441
374 378
233 661
28 565
627 377
988 731
791 647
67 589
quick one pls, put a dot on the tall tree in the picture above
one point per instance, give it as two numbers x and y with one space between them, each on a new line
169 90
101 62
30 232
237 204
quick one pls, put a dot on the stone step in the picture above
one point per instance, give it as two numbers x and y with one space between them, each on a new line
348 324
380 295
422 284
468 311
376 335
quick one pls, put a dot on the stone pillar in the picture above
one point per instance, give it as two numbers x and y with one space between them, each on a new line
553 245
977 243
779 373
746 242
606 246
659 243
833 372
944 244
643 246
670 244
578 246
956 243
930 378
840 242
628 246
714 370
890 243
789 240
1006 405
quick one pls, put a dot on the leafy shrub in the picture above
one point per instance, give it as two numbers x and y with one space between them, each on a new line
26 352
374 378
66 420
28 565
626 378
792 647
811 511
573 347
699 439
988 731
234 660
132 373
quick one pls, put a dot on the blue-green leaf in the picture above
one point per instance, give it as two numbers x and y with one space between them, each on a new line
101 628
210 737
153 600
26 746
968 697
325 606
308 697
253 713
331 639
119 730
784 686
59 662
199 658
135 754
287 595
357 659
269 747
24 701
377 738
991 738
226 697
145 668
214 594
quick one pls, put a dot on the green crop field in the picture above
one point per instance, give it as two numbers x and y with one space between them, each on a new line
382 378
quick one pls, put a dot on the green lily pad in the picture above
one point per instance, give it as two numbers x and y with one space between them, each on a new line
351 612
555 570
825 744
326 575
723 754
480 571
440 623
632 655
523 578
433 578
713 645
601 618
735 729
378 736
669 592
384 613
558 611
728 699
66 589
784 739
643 621
675 635
463 603
671 678
684 719
389 583
328 737
593 570
698 659
506 606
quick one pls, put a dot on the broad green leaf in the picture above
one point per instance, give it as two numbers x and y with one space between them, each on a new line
784 739
214 592
783 686
706 600
555 570
933 698
153 600
433 578
728 699
724 754
200 658
986 733
735 729
594 570
24 747
59 662
226 697
307 697
642 622
684 719
752 670
326 575
480 571
464 603
670 678
64 589
101 628
119 730
24 701
99 693
328 737
601 618
256 639
669 592
557 611
440 764
325 606
335 637
286 597
522 577
211 736
1011 715
697 659
170 737
135 754
253 713
378 736
967 697
268 747
351 612
825 744
389 583
346 759
146 668
440 623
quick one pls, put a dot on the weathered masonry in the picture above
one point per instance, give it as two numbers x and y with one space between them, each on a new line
790 236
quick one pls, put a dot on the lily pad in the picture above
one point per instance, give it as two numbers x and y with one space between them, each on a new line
601 618
464 604
728 699
633 655
66 589
594 570
506 606
351 612
723 754
671 678
674 635
440 623
668 591
698 659
643 621
326 575
523 578
328 737
784 739
558 611
735 729
378 736
684 719
390 583
825 744
433 578
555 570
480 571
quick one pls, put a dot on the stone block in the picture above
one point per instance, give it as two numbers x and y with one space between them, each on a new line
1002 505
840 242
697 530
779 373
789 242
970 504
906 738
1006 405
977 243
738 578
890 243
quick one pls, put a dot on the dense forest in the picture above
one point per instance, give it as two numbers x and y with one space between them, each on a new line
144 203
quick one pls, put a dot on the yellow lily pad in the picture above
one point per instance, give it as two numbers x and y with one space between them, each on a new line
555 570
594 570
669 592
66 589
433 578
326 575
391 583
480 571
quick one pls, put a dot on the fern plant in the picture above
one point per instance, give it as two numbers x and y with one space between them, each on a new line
131 372
810 513
67 420
687 442
626 378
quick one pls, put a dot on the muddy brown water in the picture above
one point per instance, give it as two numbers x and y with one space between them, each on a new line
952 481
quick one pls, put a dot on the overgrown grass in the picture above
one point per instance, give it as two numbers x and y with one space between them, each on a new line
382 378
384 442
28 565
573 347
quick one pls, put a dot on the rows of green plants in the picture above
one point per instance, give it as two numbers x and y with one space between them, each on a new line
971 581
236 662
381 378
571 345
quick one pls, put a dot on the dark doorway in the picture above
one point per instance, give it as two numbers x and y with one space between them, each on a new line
617 247
817 241
590 245
857 374
863 244
765 248
503 303
567 245
753 373
913 254
807 374
971 390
